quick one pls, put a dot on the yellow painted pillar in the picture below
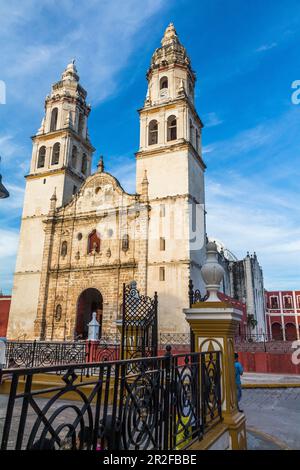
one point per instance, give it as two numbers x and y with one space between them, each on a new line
214 323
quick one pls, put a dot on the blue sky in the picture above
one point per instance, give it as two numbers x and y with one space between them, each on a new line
246 56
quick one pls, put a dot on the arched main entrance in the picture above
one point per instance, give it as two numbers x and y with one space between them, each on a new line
89 301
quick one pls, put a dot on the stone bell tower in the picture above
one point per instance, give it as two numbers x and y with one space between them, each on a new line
170 151
60 163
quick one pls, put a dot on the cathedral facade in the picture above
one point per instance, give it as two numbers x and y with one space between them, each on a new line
82 236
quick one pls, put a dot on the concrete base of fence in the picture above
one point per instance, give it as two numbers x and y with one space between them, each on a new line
230 435
217 438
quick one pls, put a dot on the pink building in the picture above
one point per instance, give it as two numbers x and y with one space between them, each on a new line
4 312
283 314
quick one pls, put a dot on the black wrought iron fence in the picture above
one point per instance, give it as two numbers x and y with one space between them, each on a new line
167 404
44 353
139 323
50 353
252 338
195 295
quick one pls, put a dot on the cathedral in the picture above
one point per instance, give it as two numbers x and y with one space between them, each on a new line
82 235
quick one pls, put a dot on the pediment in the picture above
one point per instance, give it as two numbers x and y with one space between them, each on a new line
101 192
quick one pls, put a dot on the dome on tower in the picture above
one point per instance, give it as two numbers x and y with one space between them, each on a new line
170 36
222 248
171 51
70 73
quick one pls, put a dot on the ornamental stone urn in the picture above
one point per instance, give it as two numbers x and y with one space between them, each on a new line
212 272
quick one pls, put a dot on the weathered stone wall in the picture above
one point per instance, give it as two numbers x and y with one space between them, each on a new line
103 206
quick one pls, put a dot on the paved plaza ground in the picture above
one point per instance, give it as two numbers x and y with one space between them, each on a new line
273 417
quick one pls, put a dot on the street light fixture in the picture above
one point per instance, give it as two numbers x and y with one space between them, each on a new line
3 191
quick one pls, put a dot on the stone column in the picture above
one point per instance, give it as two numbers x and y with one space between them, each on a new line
142 277
213 324
42 324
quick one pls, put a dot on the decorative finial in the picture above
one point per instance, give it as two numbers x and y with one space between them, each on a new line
53 200
212 272
100 165
145 179
53 197
170 35
42 127
147 101
145 184
70 72
93 328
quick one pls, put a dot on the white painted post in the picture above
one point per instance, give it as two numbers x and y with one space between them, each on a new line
93 326
2 354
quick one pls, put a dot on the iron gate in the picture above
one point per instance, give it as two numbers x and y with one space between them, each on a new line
139 324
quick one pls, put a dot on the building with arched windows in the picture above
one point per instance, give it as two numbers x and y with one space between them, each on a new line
83 236
283 315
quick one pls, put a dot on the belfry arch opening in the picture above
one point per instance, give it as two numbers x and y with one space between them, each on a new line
89 301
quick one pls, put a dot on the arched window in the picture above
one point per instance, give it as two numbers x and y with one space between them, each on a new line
42 156
197 141
74 156
94 242
290 332
84 164
153 132
80 123
64 249
125 242
274 302
287 302
172 128
53 123
55 153
191 132
164 83
277 331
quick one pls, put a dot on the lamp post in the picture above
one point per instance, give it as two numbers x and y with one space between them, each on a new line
3 191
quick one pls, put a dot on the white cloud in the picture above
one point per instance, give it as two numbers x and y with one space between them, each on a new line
9 147
211 120
37 40
208 149
8 250
243 215
266 47
37 37
8 243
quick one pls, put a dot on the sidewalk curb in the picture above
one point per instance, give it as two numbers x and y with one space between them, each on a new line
268 437
272 385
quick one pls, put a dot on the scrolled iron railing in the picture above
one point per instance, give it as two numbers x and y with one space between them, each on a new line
44 353
167 403
51 353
